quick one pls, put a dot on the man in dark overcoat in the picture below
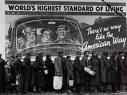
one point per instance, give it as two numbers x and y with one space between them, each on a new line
86 76
78 72
114 70
38 73
95 66
19 72
2 75
105 71
121 69
27 72
125 62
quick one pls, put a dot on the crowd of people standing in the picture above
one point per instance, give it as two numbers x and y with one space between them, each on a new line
27 76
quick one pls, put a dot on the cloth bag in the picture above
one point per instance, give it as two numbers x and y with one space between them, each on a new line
57 82
71 82
46 71
88 70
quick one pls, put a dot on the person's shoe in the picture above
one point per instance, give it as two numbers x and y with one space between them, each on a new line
69 91
117 91
19 93
81 92
108 91
95 90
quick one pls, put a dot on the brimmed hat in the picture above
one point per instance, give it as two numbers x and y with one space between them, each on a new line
29 54
78 53
30 29
62 26
60 52
46 29
18 55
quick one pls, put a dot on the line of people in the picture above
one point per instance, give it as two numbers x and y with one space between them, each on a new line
26 76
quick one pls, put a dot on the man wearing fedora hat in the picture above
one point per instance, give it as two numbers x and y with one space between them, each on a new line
63 34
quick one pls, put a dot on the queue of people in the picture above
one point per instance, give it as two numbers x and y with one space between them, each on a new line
23 76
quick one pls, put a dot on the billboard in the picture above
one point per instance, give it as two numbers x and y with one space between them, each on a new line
52 26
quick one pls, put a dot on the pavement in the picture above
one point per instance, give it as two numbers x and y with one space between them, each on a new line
54 93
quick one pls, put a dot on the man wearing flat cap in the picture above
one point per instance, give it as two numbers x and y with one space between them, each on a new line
62 33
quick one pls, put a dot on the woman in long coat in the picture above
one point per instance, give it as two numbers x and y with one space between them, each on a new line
78 73
95 66
121 70
51 72
105 71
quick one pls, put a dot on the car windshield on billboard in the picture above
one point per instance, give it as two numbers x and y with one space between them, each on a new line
48 35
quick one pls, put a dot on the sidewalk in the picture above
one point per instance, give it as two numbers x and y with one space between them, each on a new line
53 93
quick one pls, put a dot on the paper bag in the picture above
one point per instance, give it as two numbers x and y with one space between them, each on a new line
57 82
46 71
71 82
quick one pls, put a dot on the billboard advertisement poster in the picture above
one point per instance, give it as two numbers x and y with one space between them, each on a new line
68 26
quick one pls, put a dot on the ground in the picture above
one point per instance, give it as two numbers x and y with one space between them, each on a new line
54 93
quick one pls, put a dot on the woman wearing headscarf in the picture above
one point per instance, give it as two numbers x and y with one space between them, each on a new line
50 73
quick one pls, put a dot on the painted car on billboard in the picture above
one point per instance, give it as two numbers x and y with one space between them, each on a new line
47 34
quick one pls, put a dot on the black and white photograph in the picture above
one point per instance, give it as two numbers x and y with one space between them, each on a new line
63 47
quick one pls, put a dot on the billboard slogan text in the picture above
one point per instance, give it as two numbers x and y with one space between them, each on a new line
104 36
63 8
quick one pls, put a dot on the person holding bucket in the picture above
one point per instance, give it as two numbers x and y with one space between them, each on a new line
60 72
70 74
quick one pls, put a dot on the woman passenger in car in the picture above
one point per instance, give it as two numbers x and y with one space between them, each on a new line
31 35
46 36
